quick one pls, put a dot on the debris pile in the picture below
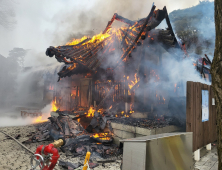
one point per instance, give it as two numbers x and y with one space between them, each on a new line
78 140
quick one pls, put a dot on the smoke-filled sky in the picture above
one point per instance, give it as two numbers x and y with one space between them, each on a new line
41 23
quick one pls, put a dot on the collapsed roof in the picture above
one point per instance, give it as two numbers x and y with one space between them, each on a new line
113 45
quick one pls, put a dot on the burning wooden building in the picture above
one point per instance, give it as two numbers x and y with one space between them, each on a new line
110 69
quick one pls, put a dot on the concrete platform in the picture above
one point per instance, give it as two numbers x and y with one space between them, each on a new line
122 131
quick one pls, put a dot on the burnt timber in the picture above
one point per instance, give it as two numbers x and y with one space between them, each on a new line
123 50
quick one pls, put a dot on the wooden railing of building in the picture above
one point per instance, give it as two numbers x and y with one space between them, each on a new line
203 132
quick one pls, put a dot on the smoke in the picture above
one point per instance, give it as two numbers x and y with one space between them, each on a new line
17 121
44 23
196 27
31 85
12 117
41 24
46 111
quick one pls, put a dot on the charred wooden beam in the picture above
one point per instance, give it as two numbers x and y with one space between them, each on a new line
61 57
80 51
169 42
91 52
90 62
171 29
128 35
165 32
118 18
128 51
208 60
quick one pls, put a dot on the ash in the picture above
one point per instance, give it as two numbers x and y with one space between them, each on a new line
148 123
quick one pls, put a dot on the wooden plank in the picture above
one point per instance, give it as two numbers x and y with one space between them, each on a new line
196 123
203 132
201 129
194 117
210 135
199 124
189 114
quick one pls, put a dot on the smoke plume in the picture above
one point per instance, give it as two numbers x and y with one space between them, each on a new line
41 24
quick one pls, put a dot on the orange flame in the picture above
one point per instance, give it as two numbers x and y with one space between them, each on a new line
54 108
91 112
43 118
95 39
77 41
50 87
101 136
133 83
131 111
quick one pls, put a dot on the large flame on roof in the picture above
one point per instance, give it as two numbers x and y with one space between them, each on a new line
96 38
77 41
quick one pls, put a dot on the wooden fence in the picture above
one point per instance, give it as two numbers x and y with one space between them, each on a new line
203 132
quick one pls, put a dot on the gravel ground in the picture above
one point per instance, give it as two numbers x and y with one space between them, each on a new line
15 157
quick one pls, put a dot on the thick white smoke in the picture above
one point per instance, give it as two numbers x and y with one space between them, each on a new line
41 24
13 118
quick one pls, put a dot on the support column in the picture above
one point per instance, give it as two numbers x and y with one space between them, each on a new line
197 155
127 107
208 147
126 88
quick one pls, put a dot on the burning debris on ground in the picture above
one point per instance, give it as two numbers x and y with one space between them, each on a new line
77 140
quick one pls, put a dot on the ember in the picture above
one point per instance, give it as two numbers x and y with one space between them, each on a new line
101 136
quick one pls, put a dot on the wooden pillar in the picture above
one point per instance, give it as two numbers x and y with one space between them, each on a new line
126 87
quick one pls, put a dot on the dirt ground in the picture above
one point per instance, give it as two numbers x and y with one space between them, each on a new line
15 157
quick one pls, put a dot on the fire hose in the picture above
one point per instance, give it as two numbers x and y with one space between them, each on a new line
42 155
18 142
